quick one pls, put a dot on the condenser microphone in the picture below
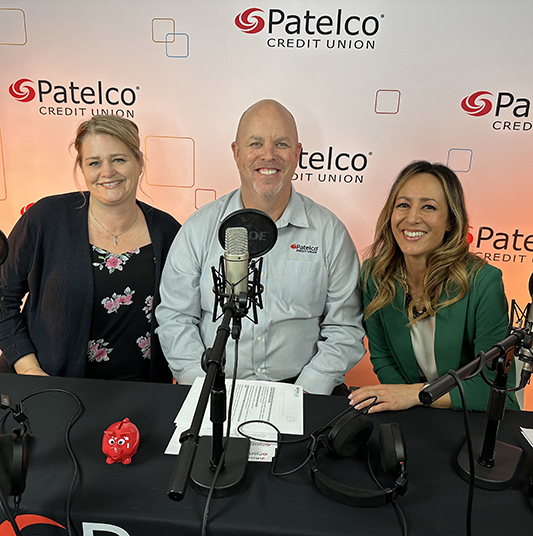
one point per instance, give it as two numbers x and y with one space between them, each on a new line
236 260
245 235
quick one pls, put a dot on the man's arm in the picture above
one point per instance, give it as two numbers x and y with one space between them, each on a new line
340 344
180 310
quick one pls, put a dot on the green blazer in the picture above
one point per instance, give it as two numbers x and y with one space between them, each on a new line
462 330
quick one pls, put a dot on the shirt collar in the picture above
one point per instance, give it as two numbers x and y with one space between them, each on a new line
294 213
234 204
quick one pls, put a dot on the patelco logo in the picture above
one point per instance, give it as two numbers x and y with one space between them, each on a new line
299 248
505 106
21 91
475 105
72 94
249 23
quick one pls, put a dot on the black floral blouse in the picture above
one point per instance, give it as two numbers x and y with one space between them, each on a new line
119 345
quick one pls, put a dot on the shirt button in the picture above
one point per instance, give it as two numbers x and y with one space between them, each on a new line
259 339
259 371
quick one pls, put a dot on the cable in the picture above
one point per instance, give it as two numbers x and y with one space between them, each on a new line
75 463
226 443
399 511
472 480
312 438
9 514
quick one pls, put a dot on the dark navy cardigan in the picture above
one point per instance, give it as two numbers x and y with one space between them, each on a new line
50 260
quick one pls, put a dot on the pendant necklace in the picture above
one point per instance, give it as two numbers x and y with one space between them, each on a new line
115 236
409 298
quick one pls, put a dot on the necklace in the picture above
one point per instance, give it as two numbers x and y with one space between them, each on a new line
115 236
416 312
409 298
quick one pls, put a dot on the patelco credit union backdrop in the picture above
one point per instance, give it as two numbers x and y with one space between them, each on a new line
373 85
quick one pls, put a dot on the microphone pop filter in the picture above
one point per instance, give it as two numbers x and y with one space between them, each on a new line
4 248
262 231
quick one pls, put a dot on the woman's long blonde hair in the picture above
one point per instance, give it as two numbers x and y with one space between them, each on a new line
450 267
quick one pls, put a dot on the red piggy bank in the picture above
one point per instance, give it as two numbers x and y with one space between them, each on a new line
120 442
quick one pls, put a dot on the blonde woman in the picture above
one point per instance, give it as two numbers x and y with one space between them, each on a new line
90 264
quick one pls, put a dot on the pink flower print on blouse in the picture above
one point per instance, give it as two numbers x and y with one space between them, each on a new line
149 303
111 261
96 351
145 343
112 304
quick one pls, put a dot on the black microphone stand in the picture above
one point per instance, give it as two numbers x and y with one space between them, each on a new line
488 474
200 466
199 457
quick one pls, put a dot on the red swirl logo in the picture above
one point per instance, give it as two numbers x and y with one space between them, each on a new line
470 235
24 209
27 520
475 105
21 91
250 24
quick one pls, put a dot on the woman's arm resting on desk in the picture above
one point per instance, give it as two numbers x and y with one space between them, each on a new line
29 365
393 397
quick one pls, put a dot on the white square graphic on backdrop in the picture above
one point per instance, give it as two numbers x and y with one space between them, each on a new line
204 196
163 29
170 161
460 160
387 101
177 45
12 27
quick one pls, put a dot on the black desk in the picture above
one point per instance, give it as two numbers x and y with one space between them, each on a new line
134 497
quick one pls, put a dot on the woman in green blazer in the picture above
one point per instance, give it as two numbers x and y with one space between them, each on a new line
430 304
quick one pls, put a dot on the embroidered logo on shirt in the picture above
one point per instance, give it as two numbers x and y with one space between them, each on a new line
299 248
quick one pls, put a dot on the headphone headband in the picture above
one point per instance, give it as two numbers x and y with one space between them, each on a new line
345 439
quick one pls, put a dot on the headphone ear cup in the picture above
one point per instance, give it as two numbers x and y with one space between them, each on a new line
350 434
13 462
392 448
19 466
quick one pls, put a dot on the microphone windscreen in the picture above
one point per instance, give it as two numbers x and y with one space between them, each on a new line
262 230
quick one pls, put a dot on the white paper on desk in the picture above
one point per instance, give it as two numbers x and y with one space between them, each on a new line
278 403
528 434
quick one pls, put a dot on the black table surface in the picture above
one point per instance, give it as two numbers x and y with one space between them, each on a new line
134 497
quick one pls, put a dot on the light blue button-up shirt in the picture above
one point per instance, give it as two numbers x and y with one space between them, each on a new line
311 324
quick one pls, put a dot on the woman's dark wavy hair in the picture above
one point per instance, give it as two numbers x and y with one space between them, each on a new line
450 267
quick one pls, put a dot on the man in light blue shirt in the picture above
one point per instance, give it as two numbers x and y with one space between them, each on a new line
310 328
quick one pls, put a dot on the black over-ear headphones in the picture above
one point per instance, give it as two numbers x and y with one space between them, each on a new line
346 438
14 453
